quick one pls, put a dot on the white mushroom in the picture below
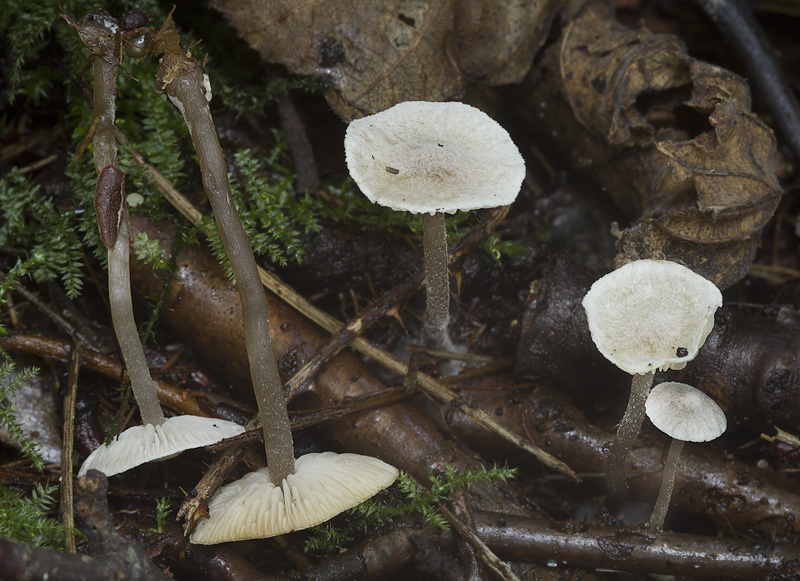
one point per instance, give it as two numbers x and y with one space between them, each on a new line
150 442
645 316
98 33
322 486
434 159
685 414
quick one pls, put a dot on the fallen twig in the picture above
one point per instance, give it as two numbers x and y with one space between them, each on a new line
114 557
631 550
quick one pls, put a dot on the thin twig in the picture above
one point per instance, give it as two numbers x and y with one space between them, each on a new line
500 567
68 439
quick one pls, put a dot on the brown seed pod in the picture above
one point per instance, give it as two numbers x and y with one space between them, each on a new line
109 203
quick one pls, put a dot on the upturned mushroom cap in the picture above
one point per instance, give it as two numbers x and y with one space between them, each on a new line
651 314
426 157
685 413
142 444
323 485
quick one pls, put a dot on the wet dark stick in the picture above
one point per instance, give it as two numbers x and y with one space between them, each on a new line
737 23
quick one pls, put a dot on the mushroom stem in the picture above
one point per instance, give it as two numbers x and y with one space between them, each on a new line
185 91
437 282
119 286
656 522
104 109
119 298
627 432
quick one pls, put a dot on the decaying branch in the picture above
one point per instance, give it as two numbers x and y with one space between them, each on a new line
187 401
633 551
733 494
113 556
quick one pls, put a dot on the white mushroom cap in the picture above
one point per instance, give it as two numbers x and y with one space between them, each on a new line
322 486
651 314
142 444
433 157
685 413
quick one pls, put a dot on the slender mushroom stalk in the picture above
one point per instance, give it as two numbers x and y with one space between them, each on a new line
685 414
119 298
645 316
437 282
98 33
181 78
628 430
434 159
656 522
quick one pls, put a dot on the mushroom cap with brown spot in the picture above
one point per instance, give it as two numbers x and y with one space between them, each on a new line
425 157
651 314
322 486
685 413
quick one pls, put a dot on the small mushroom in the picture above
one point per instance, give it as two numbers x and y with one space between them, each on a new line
645 316
150 442
685 414
158 438
434 159
322 486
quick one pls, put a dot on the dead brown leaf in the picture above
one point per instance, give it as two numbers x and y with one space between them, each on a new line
377 53
672 139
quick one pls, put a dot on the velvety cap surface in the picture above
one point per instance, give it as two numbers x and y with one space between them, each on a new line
685 413
142 444
427 157
322 486
651 314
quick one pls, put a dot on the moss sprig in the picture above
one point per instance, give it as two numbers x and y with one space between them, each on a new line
26 518
48 236
10 381
410 501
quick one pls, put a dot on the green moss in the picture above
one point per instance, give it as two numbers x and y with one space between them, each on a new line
409 500
25 518
10 381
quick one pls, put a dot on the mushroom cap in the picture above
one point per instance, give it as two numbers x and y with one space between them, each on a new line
322 486
684 412
427 157
142 444
651 314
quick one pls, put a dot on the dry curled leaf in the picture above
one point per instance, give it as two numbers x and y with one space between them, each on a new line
377 53
671 138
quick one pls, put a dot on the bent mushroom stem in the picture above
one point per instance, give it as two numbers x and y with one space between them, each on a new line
119 288
627 432
437 282
186 92
656 522
119 298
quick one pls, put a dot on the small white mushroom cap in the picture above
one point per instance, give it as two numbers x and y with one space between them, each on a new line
425 157
651 314
142 444
685 413
322 486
